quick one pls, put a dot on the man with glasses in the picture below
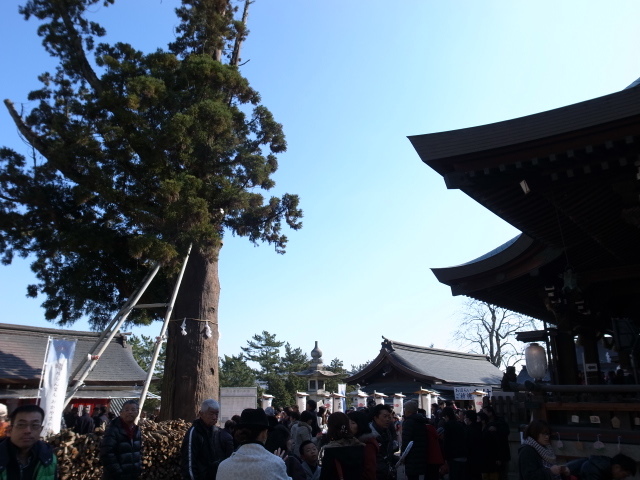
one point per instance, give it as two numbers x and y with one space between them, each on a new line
204 446
22 454
381 427
121 446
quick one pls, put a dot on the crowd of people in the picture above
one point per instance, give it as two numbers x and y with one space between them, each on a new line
363 444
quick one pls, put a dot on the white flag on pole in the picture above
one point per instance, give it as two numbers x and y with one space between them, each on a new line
55 379
342 390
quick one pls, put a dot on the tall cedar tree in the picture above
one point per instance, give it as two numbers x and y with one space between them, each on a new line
135 157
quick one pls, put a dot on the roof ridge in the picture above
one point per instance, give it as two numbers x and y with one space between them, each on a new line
28 329
408 346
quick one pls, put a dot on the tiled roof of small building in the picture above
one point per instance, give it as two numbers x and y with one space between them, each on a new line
433 365
22 350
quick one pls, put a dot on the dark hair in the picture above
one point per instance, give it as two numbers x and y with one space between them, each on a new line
471 415
32 408
489 408
307 415
247 433
422 412
449 412
321 410
626 463
304 444
230 425
536 428
236 418
378 409
130 402
362 420
338 426
312 404
277 438
295 414
483 417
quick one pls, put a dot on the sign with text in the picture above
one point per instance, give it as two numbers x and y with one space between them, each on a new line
466 393
55 379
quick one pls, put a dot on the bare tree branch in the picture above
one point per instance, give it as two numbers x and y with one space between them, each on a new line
490 330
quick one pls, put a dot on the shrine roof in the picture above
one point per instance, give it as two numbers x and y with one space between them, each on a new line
431 365
22 350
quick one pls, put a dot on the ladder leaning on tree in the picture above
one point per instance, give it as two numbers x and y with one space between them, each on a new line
107 335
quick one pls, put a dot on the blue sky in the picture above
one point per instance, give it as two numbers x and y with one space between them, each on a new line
350 80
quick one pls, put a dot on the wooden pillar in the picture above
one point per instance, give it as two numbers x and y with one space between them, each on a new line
564 356
590 357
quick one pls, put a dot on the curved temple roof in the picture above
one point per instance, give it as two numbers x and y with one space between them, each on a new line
431 365
569 179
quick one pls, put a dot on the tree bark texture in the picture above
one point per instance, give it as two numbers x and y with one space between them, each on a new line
191 367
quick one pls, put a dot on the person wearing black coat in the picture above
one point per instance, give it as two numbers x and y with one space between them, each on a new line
455 446
476 459
381 426
84 424
414 430
205 445
121 446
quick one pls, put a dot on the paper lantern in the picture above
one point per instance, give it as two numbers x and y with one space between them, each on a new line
536 359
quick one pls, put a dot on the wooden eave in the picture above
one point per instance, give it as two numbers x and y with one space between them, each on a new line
569 179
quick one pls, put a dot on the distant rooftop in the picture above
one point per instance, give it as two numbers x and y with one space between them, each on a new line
22 350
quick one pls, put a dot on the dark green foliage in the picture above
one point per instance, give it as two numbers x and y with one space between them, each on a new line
136 160
336 366
356 368
263 349
234 372
276 372
143 348
294 360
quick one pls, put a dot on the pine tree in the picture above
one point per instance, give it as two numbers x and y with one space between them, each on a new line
234 372
294 360
136 156
336 366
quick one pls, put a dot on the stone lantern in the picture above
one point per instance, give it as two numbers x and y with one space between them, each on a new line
316 376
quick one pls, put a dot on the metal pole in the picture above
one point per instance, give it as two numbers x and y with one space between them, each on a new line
145 283
127 310
163 331
44 366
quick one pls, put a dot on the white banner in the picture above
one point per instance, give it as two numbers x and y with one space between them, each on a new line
465 393
342 390
55 379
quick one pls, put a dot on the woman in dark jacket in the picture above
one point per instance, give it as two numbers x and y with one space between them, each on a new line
359 424
121 446
536 459
343 455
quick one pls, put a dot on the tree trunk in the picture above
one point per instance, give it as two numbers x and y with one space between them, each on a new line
191 367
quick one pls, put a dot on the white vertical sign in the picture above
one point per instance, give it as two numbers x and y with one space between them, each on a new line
55 379
342 390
